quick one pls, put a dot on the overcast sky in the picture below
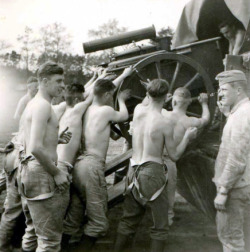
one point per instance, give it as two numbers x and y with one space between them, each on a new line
81 15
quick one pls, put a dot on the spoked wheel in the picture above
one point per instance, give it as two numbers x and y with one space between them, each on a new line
179 71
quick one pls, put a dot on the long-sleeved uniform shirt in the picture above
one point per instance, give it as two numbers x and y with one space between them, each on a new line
232 167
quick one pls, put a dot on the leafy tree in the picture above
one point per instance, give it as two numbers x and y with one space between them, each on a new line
28 43
166 31
107 29
54 41
4 45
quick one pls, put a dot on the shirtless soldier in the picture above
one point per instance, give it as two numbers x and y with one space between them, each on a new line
147 175
32 88
43 187
180 102
88 173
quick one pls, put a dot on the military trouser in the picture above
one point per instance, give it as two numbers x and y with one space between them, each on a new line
12 210
90 184
151 178
233 224
171 187
44 207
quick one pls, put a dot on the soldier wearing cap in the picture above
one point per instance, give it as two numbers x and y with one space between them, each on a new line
232 167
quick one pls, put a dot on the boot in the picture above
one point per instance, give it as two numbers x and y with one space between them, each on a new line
121 243
86 244
65 242
157 245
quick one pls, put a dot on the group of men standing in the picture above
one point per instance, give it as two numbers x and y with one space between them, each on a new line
45 162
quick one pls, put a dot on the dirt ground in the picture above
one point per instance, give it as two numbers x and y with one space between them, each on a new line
191 232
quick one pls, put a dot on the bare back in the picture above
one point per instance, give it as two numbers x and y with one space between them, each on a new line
148 135
49 134
96 130
182 122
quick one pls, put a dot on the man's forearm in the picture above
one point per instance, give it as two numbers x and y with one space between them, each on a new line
179 150
205 114
117 82
230 175
181 147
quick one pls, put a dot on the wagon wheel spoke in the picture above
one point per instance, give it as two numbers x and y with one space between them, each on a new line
136 97
196 76
140 75
158 69
193 114
176 72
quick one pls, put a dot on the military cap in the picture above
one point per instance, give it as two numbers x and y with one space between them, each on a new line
230 76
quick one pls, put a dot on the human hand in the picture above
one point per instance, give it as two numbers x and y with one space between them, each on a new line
220 202
110 76
62 181
102 73
64 136
191 133
131 129
124 95
203 98
223 108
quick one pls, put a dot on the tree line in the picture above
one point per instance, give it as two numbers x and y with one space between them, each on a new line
53 42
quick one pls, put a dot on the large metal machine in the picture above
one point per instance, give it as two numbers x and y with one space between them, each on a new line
193 65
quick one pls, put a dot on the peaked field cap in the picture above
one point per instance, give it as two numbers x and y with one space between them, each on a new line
182 92
230 76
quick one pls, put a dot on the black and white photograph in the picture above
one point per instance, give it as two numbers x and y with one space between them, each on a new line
124 126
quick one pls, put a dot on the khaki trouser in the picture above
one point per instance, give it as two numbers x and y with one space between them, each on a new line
233 225
12 210
171 187
44 208
12 204
151 177
90 184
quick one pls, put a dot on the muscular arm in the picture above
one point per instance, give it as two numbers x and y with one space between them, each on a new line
118 81
59 109
174 151
205 117
40 116
118 116
239 38
20 107
81 107
91 81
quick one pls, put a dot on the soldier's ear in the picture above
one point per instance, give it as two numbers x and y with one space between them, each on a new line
45 82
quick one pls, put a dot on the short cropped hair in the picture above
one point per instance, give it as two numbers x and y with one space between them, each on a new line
182 92
47 69
102 86
75 87
157 88
32 79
